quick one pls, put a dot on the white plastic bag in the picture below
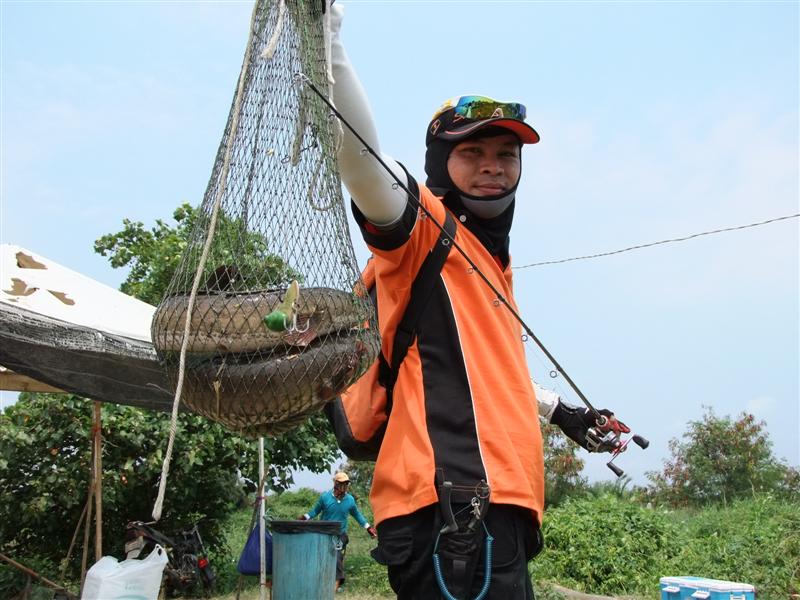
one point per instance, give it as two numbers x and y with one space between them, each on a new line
131 579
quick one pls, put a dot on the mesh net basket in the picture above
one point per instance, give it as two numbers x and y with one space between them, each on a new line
277 321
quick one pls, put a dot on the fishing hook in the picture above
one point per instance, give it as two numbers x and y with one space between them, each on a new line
295 329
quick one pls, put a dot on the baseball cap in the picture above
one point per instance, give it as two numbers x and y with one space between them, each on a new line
341 477
463 116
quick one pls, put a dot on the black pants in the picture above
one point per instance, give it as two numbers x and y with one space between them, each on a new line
340 557
405 546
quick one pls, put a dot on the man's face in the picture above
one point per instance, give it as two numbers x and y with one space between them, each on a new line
485 166
340 488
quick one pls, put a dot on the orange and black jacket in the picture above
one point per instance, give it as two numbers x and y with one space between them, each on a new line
463 401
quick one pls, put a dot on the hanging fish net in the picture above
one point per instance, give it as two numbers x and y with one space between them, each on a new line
265 305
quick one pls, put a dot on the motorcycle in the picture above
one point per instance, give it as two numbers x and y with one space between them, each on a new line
187 564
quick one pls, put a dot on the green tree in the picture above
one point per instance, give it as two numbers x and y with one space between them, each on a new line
154 255
45 442
720 459
45 462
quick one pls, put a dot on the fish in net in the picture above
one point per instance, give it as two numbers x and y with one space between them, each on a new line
264 320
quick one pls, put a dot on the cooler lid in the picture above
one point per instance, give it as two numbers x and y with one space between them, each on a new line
715 585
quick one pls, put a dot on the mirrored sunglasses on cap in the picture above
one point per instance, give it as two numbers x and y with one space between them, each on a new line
482 107
464 116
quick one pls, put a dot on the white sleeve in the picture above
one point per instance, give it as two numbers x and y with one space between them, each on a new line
548 400
367 181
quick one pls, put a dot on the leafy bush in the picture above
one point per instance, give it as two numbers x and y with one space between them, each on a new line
754 541
605 546
720 459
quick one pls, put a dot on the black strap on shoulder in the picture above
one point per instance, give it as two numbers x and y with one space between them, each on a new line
421 290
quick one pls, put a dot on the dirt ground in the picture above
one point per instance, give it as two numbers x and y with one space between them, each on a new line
343 595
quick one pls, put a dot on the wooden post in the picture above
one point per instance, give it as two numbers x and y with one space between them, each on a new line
94 489
262 550
98 480
87 528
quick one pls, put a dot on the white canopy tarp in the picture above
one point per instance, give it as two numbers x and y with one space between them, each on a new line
45 287
73 333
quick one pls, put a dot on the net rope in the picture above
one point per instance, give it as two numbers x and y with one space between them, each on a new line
265 319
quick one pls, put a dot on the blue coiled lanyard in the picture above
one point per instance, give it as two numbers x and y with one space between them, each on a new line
487 569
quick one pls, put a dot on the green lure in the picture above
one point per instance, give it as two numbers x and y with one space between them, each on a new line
282 318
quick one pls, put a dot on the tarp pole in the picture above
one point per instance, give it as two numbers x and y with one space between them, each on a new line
98 480
262 552
87 525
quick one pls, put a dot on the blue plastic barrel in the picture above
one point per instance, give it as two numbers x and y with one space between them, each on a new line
304 559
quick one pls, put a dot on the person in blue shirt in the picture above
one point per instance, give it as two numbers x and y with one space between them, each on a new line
337 505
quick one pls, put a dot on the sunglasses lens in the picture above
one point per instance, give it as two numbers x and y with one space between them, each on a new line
481 107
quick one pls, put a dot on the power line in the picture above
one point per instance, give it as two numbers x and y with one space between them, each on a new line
648 245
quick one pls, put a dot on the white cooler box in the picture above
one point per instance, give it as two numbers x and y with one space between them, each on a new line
700 588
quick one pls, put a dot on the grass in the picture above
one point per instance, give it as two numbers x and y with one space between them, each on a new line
345 594
366 579
630 545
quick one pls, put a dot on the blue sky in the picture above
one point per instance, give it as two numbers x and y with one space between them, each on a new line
658 120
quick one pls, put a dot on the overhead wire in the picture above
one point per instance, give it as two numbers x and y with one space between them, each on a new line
660 242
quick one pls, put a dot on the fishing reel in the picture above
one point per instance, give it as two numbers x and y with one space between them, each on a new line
606 436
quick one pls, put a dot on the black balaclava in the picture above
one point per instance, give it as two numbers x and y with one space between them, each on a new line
488 217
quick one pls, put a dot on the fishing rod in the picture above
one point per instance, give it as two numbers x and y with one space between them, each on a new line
604 438
450 239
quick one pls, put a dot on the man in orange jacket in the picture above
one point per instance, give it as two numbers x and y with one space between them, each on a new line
458 488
